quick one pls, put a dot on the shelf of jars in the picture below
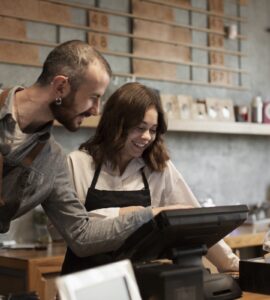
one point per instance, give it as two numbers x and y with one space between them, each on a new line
241 128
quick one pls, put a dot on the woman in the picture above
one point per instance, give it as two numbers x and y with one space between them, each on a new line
125 166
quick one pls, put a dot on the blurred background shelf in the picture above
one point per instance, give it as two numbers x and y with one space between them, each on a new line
219 127
203 126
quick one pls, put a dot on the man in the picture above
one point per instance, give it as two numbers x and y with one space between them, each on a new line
33 167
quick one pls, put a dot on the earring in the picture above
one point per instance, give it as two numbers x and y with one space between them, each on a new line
58 101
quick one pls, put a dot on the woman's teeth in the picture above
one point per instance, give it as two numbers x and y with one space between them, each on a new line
139 145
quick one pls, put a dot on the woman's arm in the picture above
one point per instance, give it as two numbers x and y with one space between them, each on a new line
177 191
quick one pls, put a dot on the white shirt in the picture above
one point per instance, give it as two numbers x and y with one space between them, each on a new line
167 187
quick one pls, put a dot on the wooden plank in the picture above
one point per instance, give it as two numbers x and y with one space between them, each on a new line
33 9
216 6
158 70
243 2
217 59
135 76
20 8
156 11
53 12
161 31
130 55
185 3
216 24
12 28
181 81
156 50
195 9
188 45
136 16
19 53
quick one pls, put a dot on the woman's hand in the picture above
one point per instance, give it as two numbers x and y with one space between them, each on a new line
157 210
128 209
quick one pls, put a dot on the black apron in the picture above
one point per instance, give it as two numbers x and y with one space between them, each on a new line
97 199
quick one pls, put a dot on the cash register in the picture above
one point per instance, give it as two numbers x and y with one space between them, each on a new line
182 237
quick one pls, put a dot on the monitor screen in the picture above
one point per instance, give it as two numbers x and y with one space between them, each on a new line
111 281
182 229
115 288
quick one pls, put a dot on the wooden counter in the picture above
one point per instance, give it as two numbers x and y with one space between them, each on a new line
253 296
247 235
31 270
35 270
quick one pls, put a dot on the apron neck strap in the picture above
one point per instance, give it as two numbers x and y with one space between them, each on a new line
97 171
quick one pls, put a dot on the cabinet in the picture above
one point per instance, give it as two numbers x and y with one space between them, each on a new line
31 270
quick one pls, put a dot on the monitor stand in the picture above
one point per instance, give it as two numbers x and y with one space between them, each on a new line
188 257
186 278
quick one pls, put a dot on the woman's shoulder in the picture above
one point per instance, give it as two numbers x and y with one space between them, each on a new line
79 156
170 171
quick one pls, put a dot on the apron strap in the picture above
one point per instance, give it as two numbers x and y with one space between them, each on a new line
94 181
2 102
2 202
97 171
28 159
146 186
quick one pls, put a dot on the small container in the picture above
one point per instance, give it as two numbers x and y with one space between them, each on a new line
256 110
241 113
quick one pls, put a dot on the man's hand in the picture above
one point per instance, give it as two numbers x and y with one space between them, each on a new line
128 209
157 210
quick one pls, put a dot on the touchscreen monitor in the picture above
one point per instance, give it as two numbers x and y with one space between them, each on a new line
182 229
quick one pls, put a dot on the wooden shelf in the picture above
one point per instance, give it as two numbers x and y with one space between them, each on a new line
219 127
203 126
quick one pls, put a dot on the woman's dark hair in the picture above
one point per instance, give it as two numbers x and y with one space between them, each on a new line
124 110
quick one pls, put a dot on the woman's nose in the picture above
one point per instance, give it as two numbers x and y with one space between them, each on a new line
146 135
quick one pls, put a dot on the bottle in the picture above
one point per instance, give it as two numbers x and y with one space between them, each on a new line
256 110
40 221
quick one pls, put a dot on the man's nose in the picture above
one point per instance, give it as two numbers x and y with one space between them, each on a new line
95 108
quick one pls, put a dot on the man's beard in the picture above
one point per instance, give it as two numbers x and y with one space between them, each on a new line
62 113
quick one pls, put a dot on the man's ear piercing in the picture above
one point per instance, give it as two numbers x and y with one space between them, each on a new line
58 101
